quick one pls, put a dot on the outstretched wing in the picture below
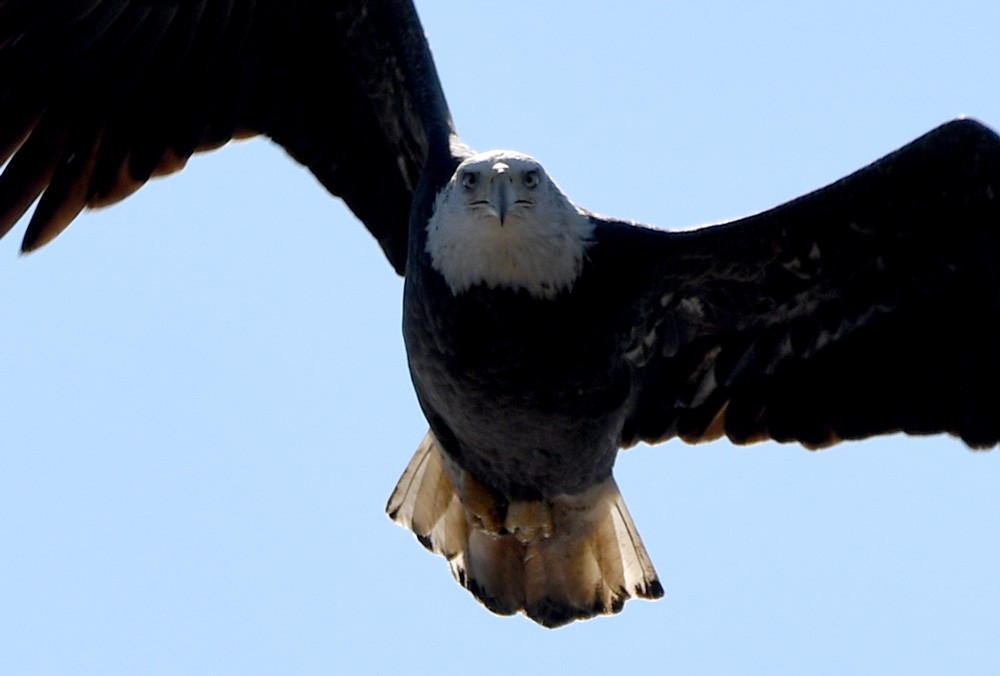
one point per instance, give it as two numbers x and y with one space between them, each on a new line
97 96
866 307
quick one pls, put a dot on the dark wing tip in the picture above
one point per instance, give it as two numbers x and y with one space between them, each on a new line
96 99
868 307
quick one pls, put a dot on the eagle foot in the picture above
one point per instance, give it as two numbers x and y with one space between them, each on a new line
529 520
567 558
487 510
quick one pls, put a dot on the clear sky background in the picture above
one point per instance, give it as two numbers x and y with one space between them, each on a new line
204 400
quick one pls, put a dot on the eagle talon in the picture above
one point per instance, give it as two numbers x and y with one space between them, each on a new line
485 507
529 520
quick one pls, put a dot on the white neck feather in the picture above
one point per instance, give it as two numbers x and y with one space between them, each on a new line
540 249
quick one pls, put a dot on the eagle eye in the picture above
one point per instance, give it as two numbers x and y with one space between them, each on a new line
531 179
469 180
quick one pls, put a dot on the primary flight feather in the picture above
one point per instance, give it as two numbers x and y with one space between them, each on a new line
541 337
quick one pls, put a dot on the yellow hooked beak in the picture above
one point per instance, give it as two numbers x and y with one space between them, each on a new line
501 190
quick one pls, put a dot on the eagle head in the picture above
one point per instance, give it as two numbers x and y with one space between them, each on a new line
501 221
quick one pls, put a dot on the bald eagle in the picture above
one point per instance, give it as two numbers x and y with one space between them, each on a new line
541 337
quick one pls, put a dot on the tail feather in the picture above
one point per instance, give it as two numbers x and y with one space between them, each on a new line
564 559
425 502
492 568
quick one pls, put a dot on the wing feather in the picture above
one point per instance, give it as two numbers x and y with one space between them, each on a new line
98 96
867 307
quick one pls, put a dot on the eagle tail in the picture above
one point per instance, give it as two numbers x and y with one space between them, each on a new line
558 560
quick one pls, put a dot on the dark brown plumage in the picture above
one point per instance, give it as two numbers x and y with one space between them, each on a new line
97 97
864 308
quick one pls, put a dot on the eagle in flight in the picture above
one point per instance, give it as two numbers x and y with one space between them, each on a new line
541 337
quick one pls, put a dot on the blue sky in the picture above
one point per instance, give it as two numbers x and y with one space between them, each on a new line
205 403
